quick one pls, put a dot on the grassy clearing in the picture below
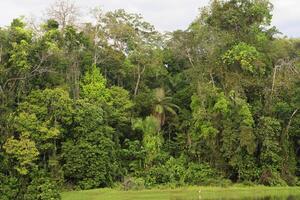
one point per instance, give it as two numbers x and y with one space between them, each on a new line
188 193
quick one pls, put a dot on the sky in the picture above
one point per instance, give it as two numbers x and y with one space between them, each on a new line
165 15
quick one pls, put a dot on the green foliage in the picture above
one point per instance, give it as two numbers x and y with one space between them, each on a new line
225 123
133 156
51 24
18 32
163 105
90 165
173 172
179 172
246 56
152 140
94 86
221 104
133 183
238 15
42 188
19 56
269 133
9 187
271 158
24 151
121 107
42 116
90 155
115 101
201 174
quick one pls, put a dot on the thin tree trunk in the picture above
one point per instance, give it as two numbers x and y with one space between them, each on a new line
44 161
285 137
0 53
274 79
189 140
286 132
95 44
212 79
190 58
140 73
137 84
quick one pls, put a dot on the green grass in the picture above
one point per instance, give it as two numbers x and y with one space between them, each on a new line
189 193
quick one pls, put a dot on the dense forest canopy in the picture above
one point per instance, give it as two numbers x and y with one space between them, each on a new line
113 101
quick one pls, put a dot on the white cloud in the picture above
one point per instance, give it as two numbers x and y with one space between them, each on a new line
287 16
166 15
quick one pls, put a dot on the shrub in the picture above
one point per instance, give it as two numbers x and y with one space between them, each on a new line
8 187
297 183
42 188
133 183
201 174
178 172
219 181
171 172
271 177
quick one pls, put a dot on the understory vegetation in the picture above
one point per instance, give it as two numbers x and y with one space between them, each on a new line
114 102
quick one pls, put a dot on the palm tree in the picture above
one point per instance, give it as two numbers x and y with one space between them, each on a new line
162 105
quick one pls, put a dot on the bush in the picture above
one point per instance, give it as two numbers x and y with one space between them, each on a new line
271 177
133 183
42 188
172 173
297 183
248 183
89 165
201 174
8 187
178 172
218 181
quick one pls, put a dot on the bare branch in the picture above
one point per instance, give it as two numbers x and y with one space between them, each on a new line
36 71
284 65
65 12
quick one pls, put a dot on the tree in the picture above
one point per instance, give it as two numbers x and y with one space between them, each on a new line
24 151
152 140
92 105
41 187
89 154
43 116
65 12
163 104
94 86
129 35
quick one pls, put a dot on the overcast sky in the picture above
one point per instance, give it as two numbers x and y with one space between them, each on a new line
165 15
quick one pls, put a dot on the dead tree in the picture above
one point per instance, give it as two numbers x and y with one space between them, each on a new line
65 12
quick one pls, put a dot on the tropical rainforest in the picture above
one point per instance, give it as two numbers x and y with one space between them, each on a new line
111 101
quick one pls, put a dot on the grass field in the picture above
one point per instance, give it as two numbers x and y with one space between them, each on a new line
188 193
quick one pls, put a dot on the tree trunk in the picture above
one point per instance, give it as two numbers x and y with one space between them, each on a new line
140 73
286 132
273 82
